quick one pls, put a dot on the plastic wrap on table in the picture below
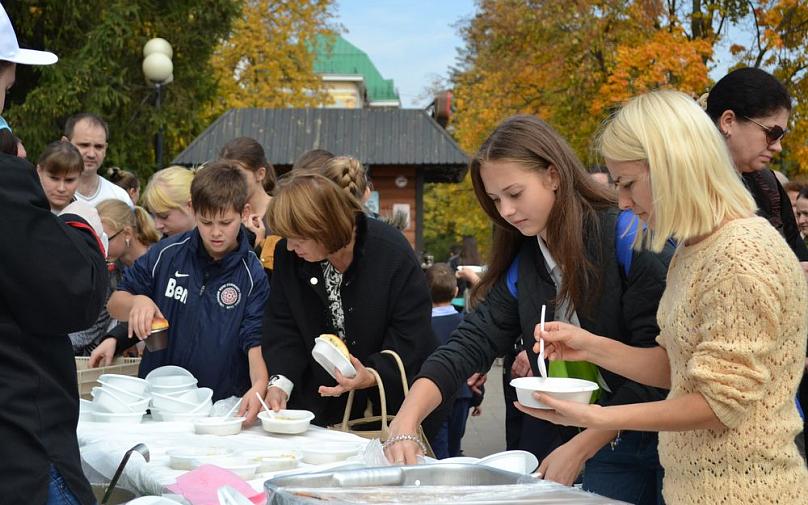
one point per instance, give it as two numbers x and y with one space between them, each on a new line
425 484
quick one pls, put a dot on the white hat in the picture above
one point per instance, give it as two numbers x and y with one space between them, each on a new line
10 49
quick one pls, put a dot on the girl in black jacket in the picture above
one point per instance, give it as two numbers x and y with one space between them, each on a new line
555 234
339 272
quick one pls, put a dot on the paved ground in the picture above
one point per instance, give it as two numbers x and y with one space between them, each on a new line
486 434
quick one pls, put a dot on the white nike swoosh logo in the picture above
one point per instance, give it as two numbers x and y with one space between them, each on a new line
178 274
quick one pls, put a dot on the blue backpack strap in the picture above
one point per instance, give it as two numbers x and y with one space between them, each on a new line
627 224
512 277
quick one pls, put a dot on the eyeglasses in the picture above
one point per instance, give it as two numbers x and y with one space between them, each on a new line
773 133
115 235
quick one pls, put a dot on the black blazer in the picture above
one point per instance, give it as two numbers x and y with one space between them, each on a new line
624 309
53 280
386 304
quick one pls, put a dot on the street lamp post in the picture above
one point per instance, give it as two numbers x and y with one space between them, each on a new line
159 71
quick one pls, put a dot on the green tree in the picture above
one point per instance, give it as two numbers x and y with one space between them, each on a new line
268 61
99 44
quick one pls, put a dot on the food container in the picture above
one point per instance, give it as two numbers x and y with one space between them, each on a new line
85 410
132 385
124 418
512 461
329 452
563 388
192 400
330 358
184 458
239 466
176 417
158 338
87 377
288 422
273 460
168 370
218 425
105 400
169 384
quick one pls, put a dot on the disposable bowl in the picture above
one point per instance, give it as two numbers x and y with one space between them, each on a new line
512 461
287 422
168 370
184 458
105 400
562 388
239 466
273 460
218 425
175 417
163 384
193 400
329 452
123 394
133 385
330 358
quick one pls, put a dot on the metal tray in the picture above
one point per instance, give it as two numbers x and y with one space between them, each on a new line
447 474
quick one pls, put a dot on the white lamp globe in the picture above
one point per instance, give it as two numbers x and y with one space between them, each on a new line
158 45
157 67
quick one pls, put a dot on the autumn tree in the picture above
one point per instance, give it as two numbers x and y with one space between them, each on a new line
268 58
100 44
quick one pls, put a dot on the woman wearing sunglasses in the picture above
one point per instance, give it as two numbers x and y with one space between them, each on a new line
751 109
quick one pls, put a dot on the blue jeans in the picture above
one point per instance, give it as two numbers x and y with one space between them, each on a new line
58 492
630 472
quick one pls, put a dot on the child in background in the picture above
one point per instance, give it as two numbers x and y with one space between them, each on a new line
443 288
59 168
210 287
168 197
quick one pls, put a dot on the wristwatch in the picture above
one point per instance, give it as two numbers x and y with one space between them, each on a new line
281 382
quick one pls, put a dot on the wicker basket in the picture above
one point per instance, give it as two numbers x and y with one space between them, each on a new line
87 376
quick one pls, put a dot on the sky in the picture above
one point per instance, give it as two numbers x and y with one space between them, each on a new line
414 40
409 41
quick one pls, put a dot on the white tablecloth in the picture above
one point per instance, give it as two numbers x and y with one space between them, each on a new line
103 445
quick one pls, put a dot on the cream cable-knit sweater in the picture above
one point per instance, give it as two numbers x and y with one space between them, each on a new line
733 321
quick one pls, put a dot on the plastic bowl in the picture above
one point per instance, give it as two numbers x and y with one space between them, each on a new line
218 425
168 370
512 461
563 388
129 418
184 458
273 460
133 385
287 422
329 452
239 466
105 400
163 384
122 393
192 400
86 410
330 358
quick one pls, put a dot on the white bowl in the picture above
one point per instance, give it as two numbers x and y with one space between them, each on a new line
329 357
104 400
129 418
168 370
192 400
122 393
86 410
239 466
273 460
563 388
133 385
288 422
175 417
512 461
163 384
329 452
218 425
184 458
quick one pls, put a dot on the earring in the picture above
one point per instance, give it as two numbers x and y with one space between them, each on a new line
126 241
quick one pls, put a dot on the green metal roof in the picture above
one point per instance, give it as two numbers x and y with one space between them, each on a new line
338 56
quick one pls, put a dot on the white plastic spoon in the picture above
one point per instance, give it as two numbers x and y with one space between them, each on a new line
233 410
542 367
264 404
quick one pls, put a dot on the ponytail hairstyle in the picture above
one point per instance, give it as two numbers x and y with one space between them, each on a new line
123 178
118 215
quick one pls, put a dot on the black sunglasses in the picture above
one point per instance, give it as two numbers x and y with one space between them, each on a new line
773 133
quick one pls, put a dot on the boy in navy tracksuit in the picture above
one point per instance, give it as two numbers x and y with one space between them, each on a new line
210 286
443 288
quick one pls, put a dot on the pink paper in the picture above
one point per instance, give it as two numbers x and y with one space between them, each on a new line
199 486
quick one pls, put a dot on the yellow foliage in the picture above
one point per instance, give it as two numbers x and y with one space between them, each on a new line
267 61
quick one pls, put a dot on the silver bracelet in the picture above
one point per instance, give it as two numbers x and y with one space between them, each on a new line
405 437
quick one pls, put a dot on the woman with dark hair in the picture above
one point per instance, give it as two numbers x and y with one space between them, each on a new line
751 109
556 243
261 180
339 272
126 180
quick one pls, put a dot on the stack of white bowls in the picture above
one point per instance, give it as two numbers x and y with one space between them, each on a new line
175 397
120 399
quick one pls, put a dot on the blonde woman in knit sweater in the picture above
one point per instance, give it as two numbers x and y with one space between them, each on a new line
732 319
